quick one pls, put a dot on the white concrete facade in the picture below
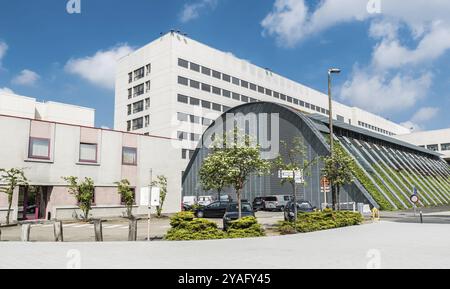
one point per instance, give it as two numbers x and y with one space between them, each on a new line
204 72
27 107
435 140
107 166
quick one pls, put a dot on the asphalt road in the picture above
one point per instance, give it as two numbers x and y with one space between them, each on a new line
377 245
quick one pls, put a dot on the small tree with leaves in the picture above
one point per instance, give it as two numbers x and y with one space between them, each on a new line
214 167
161 183
127 195
295 159
338 170
11 179
83 192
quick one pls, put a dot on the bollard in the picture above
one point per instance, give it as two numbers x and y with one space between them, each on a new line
132 229
98 230
421 217
25 234
58 231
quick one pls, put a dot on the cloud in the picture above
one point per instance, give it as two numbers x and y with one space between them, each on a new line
381 92
6 90
99 69
192 10
3 49
26 77
418 120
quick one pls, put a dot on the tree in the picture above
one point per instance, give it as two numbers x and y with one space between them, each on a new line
212 171
295 159
241 159
83 192
161 183
338 169
127 195
11 178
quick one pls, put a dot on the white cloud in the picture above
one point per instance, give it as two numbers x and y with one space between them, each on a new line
6 90
381 92
26 77
3 49
192 10
418 120
99 69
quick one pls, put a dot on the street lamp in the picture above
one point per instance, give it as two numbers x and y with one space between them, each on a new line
330 104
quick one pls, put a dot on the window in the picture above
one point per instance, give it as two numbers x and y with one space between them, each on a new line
226 77
88 152
276 94
206 71
226 93
445 147
183 98
129 109
244 98
130 93
236 96
195 137
289 99
182 135
129 125
217 107
261 89
138 123
253 86
313 107
39 148
139 90
269 92
139 73
206 87
216 74
183 63
216 90
182 116
340 118
194 101
195 84
236 81
318 108
206 104
129 156
433 147
146 120
183 80
307 105
148 68
295 101
244 84
302 103
138 106
147 86
194 119
282 97
195 67
147 103
253 100
130 77
225 108
206 121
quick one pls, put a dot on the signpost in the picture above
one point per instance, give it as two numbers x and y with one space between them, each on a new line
325 189
297 176
415 199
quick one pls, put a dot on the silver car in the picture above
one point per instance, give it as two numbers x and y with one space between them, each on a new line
276 202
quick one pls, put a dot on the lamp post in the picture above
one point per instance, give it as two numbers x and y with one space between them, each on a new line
330 104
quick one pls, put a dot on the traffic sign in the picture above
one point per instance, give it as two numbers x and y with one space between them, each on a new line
415 199
325 185
288 174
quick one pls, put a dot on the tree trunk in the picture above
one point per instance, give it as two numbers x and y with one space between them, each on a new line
238 193
338 198
333 197
10 197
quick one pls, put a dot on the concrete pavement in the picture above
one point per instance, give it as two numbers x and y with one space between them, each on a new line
378 245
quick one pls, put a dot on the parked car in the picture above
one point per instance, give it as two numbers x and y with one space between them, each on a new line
232 213
204 200
188 202
213 210
225 198
276 203
302 207
258 204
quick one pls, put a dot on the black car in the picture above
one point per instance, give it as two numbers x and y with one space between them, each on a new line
232 213
302 207
258 204
213 210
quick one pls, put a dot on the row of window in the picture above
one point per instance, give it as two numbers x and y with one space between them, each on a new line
139 73
187 154
203 103
194 119
139 90
245 84
39 149
138 106
435 147
182 135
374 128
138 123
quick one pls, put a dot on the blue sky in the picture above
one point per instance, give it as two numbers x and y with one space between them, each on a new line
394 60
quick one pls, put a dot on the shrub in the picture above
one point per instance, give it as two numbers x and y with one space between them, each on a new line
318 221
181 217
246 227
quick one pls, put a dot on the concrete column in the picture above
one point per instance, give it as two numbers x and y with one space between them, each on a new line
132 229
98 227
25 233
58 231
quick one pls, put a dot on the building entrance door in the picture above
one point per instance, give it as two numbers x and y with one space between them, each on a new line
33 201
